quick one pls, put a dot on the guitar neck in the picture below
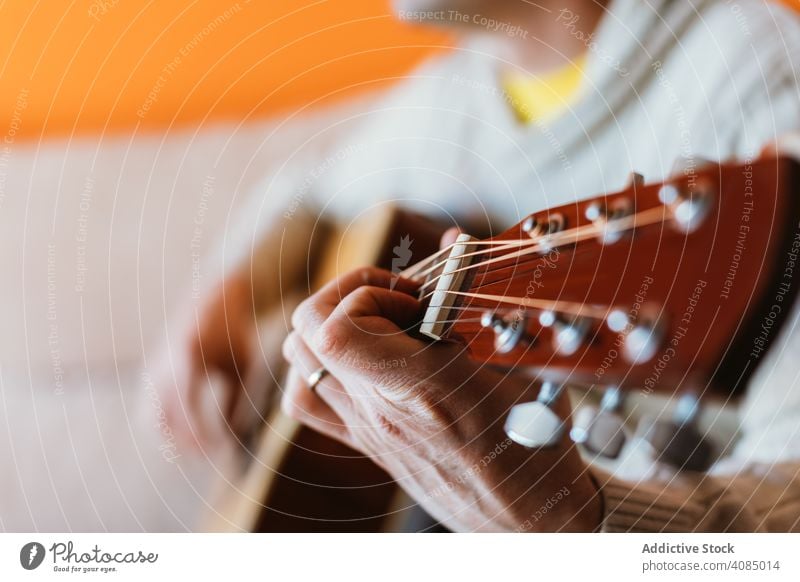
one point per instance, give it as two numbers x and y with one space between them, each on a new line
681 285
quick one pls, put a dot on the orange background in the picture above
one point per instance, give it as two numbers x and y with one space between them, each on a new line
96 65
117 65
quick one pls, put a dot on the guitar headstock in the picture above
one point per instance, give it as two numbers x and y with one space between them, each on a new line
673 286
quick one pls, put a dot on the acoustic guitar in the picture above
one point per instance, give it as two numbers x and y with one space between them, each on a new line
679 287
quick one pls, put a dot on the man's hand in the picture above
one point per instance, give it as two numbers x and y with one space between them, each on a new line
220 373
427 414
216 349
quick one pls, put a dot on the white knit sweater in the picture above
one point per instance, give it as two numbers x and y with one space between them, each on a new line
665 80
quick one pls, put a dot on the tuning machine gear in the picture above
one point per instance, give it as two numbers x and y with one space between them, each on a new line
508 332
543 230
679 442
601 430
603 216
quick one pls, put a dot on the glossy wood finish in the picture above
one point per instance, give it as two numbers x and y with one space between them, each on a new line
710 290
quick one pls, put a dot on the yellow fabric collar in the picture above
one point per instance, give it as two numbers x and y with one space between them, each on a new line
541 96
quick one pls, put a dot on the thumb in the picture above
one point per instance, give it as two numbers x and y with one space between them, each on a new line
449 237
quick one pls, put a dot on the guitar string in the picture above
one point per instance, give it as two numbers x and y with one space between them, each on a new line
460 320
411 271
502 246
509 310
647 217
509 244
555 239
520 269
570 307
577 309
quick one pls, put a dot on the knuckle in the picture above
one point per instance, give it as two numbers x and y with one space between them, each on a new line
301 314
371 275
362 295
353 303
332 338
363 301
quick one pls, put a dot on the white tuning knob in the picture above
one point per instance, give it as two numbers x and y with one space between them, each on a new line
568 336
689 206
606 219
690 213
535 424
617 321
642 342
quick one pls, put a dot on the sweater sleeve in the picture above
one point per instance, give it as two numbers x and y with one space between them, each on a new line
758 498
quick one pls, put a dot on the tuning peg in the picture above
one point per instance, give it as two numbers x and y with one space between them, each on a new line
535 424
532 227
603 217
689 206
617 320
568 336
507 334
642 339
679 442
601 431
642 342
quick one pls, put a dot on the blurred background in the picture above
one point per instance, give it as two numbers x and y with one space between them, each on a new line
132 131
92 66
